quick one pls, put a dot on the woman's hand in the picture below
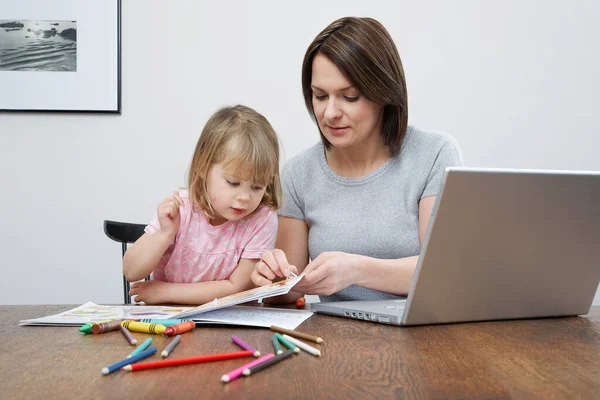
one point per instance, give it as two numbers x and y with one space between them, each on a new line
150 292
329 273
168 215
272 265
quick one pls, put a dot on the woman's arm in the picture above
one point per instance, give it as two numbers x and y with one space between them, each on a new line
158 292
290 255
331 272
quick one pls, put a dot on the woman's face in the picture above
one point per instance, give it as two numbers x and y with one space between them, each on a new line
345 116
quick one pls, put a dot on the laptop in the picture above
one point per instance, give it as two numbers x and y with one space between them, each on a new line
501 244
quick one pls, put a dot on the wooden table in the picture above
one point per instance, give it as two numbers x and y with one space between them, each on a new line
546 359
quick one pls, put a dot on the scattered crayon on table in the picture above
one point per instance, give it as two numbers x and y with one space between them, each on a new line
165 322
296 334
303 346
140 348
132 341
170 346
140 356
179 328
106 326
87 327
236 373
267 363
245 346
144 327
276 345
185 361
287 343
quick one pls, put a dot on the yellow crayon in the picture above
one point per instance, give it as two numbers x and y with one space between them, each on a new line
143 327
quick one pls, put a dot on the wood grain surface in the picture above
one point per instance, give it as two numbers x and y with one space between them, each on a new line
556 358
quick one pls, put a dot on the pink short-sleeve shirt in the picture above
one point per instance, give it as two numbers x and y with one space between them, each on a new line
202 252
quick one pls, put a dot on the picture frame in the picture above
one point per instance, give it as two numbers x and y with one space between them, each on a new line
60 56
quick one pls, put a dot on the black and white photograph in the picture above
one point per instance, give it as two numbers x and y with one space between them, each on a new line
38 45
60 56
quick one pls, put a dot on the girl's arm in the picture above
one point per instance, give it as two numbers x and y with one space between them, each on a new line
142 257
158 292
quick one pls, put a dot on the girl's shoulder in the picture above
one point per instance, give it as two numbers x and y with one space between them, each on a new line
263 215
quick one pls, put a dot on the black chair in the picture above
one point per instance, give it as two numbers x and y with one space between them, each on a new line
124 233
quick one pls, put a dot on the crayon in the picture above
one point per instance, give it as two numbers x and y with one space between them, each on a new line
179 328
268 363
185 361
236 373
87 327
170 346
303 346
165 322
286 343
144 327
132 341
276 345
140 348
301 302
106 326
296 334
245 346
113 367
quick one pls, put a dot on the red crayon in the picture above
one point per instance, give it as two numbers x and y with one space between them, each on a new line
179 328
185 361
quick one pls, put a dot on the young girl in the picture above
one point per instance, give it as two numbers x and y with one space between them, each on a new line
203 242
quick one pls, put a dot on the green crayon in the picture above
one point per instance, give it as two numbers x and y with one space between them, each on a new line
287 344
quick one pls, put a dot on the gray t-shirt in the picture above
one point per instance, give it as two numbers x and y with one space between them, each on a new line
376 215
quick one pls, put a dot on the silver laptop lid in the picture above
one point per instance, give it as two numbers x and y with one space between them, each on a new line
507 244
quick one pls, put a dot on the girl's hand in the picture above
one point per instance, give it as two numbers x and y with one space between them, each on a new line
168 215
273 264
329 273
150 292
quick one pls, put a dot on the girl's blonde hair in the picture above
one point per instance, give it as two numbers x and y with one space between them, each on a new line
246 143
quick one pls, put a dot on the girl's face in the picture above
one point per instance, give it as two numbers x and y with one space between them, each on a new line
232 198
345 116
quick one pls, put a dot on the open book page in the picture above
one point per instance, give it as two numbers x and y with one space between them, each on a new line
274 289
89 312
255 316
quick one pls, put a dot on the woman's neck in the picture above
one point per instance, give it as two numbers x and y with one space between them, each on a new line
357 161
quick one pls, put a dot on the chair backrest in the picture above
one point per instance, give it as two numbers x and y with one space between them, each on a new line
124 233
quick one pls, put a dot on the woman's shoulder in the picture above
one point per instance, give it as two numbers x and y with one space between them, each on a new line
429 146
306 158
417 136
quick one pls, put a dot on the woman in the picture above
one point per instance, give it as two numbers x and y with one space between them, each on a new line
357 203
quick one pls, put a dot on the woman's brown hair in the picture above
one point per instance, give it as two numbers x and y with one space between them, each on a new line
365 53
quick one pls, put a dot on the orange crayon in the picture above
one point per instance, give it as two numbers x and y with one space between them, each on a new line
179 328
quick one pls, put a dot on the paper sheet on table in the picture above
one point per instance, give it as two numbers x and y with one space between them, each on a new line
94 312
255 316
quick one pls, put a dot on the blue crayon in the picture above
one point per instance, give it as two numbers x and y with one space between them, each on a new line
165 322
140 356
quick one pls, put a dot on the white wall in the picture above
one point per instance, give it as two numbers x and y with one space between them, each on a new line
513 81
